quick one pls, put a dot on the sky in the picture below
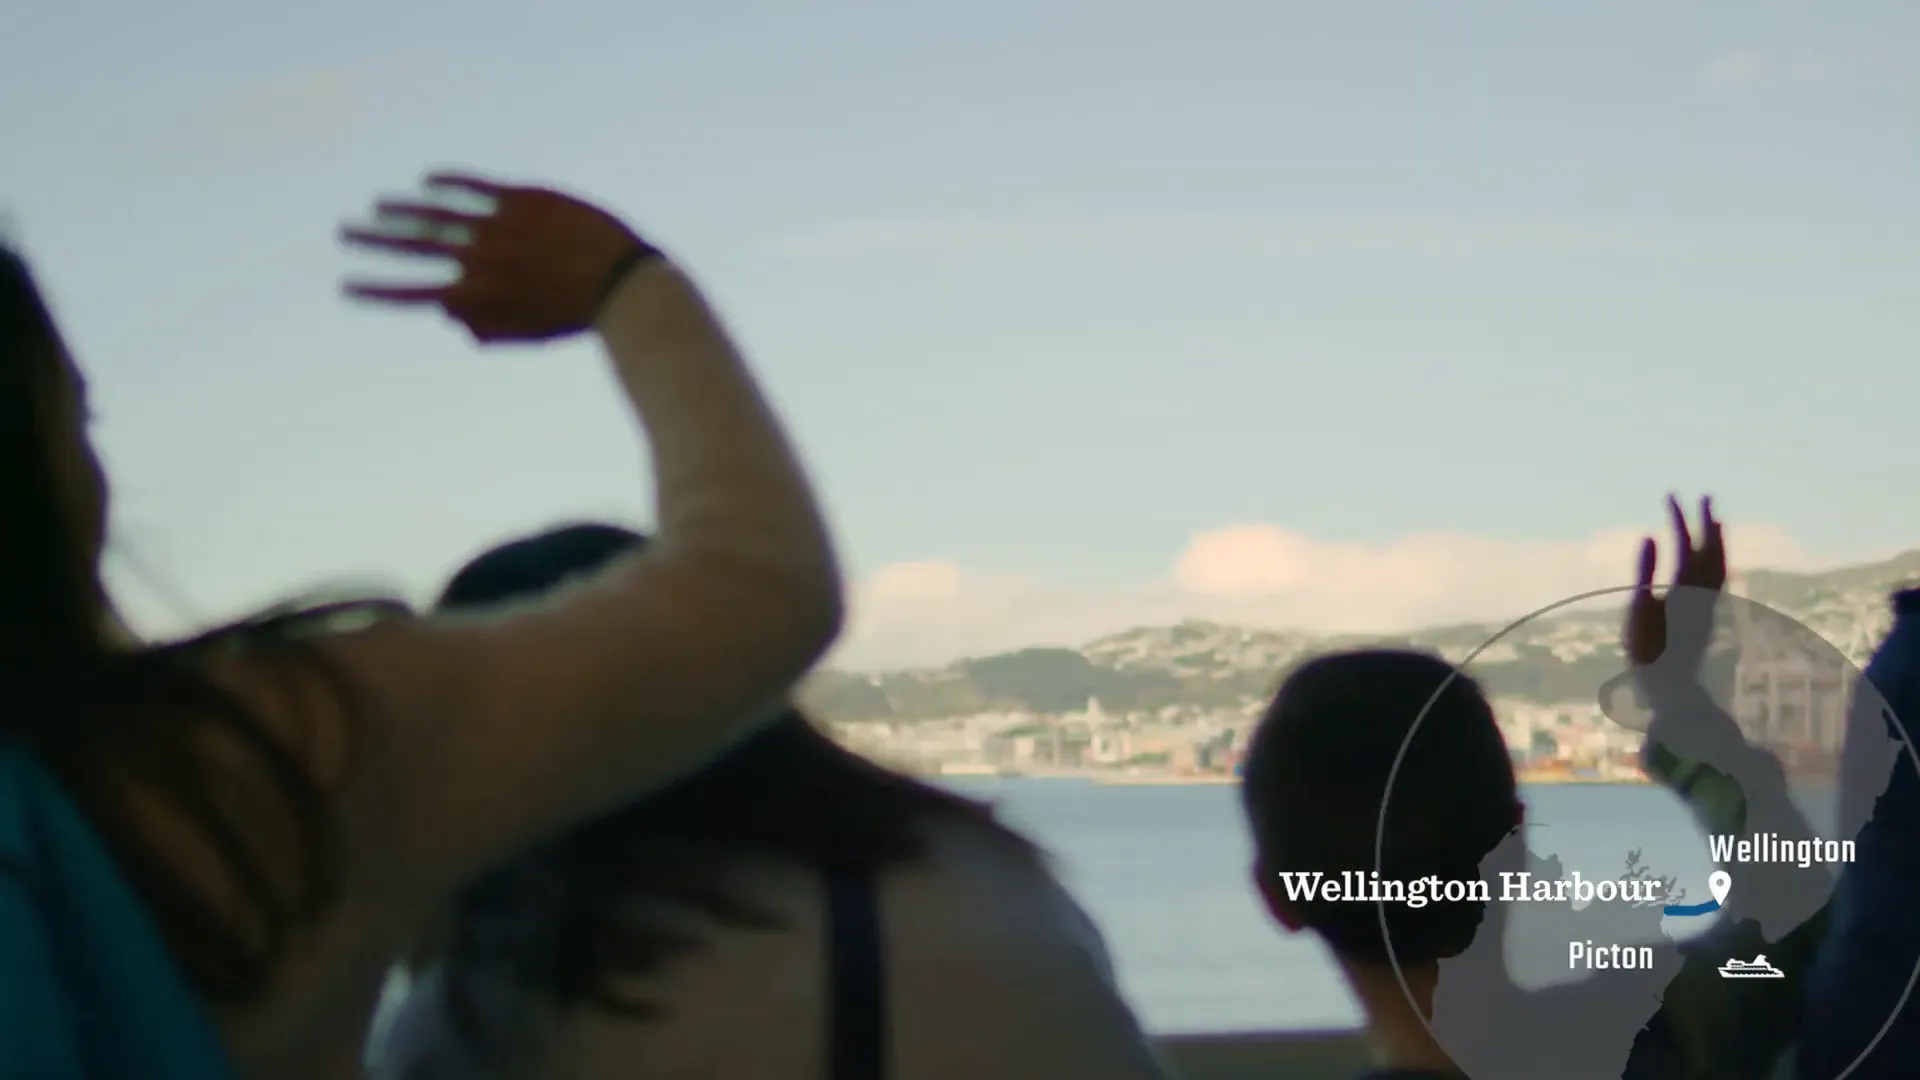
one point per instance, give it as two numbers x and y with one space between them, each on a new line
1346 316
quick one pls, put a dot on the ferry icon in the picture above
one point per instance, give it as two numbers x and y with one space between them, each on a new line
1756 968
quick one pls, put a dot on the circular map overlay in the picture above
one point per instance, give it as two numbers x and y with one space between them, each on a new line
1603 950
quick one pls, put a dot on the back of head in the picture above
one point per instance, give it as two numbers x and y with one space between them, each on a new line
1388 760
787 793
50 598
529 567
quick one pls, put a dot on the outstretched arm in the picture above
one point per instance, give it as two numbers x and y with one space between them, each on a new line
475 738
518 725
1693 745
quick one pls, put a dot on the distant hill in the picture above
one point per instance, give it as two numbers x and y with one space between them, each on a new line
1552 659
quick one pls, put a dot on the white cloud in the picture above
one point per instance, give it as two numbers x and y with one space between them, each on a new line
1152 235
1747 68
930 612
1736 68
292 114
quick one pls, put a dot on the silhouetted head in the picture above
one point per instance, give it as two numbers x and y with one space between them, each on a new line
538 564
1316 784
576 920
52 489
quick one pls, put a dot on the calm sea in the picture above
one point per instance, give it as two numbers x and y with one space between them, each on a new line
1164 870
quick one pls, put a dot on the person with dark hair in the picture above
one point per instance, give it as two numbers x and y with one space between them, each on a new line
1316 786
1389 765
1377 779
791 910
286 800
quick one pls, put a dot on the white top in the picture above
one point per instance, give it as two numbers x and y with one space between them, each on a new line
475 738
992 970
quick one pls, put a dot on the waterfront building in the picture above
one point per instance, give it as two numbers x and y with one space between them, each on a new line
1789 686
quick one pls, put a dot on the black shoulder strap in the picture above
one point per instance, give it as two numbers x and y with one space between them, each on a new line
857 1007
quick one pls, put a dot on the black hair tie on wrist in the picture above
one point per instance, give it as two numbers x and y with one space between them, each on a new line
640 252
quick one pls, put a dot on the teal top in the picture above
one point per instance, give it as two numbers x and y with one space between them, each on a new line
88 989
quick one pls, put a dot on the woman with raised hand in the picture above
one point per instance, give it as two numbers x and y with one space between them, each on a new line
290 800
790 911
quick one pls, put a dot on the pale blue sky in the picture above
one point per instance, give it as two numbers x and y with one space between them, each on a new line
1045 288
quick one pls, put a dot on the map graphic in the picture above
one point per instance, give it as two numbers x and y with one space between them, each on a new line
1723 756
1756 968
1719 883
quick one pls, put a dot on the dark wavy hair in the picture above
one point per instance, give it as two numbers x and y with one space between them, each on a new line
1316 788
575 921
219 823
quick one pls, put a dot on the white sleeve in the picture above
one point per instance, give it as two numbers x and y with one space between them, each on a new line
473 738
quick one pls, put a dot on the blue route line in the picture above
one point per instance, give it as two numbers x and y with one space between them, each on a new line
1707 908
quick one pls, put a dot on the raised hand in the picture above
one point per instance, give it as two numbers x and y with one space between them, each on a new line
538 265
1678 625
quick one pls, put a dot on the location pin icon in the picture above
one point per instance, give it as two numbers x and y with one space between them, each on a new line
1718 883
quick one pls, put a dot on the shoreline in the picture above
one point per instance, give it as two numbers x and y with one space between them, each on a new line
1120 779
1583 781
1147 780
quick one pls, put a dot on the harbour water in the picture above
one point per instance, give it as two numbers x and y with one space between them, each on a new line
1165 872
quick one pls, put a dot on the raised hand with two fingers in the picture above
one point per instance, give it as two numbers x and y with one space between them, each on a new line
1674 628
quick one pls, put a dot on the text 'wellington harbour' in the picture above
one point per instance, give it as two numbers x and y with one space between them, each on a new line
1355 886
